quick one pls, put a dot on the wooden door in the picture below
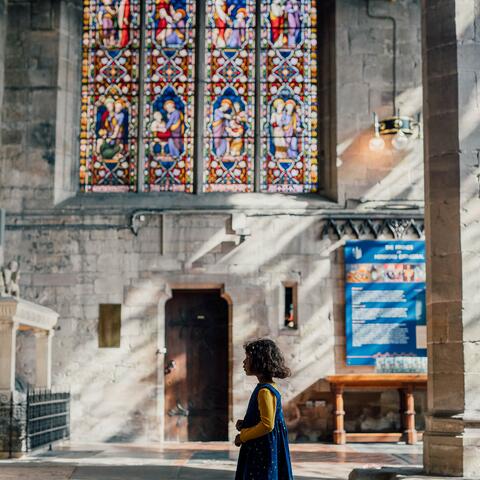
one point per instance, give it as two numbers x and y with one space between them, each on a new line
196 366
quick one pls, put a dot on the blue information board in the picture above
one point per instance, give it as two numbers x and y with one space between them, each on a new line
385 299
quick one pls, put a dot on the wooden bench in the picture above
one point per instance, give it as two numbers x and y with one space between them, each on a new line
405 383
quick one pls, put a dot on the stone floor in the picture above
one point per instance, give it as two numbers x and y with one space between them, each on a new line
196 461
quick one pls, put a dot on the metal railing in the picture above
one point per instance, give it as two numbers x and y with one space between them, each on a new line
33 420
48 417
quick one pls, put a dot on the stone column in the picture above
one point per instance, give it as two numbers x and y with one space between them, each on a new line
451 69
8 341
43 353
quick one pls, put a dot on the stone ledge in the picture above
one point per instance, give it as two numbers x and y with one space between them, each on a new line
279 203
391 473
23 312
213 201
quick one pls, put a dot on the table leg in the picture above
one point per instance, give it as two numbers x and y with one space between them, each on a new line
403 407
339 435
410 432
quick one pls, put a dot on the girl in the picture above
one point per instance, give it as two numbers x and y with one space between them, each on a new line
264 453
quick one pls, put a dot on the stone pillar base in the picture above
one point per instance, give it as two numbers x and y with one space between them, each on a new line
451 446
399 473
12 424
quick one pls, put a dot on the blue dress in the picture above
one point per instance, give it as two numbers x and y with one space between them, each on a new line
266 457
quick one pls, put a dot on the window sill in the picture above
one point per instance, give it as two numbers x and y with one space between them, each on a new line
293 332
168 201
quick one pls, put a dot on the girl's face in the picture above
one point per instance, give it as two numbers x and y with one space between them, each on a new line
247 365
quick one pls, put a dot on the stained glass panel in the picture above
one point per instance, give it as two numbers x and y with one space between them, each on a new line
169 95
289 96
109 112
229 96
110 138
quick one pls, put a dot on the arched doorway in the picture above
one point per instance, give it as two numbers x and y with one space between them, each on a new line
196 366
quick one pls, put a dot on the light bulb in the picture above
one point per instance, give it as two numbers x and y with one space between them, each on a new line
376 143
400 141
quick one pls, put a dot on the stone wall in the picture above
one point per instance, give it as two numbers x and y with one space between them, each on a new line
364 50
29 111
3 25
79 254
77 269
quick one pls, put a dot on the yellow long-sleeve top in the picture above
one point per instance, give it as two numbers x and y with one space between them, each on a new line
267 405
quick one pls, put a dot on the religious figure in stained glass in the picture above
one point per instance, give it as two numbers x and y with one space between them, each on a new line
111 156
170 23
113 17
221 20
112 131
176 128
291 128
278 143
277 20
222 114
236 130
292 9
285 23
168 125
286 128
229 123
161 135
163 17
285 139
237 35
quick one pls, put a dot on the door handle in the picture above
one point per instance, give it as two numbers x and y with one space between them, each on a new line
179 411
169 367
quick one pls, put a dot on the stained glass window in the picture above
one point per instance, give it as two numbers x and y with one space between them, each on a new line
169 95
229 96
108 139
289 96
259 125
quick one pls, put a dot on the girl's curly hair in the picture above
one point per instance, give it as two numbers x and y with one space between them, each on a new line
266 358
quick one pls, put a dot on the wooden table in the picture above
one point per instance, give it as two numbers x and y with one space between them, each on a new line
405 383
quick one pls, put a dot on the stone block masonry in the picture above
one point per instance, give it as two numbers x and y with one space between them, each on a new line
81 253
364 64
109 266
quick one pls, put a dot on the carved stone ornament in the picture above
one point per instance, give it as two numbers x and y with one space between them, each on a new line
9 280
358 227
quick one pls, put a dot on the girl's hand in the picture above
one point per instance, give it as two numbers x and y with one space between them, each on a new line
239 425
238 442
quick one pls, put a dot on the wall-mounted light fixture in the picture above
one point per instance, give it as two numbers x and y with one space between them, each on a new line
402 127
377 143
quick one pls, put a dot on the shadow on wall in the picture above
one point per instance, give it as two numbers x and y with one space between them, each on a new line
114 391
